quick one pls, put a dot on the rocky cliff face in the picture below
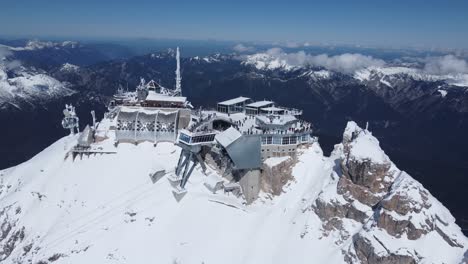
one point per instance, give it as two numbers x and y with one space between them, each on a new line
378 213
276 173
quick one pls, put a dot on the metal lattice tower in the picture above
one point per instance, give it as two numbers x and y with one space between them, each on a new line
70 120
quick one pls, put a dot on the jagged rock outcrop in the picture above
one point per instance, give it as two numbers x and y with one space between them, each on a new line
11 234
367 253
379 212
276 173
367 171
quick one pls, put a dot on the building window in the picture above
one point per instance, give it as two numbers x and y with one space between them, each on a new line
222 109
292 140
277 141
184 138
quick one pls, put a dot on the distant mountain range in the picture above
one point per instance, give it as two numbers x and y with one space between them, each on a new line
418 111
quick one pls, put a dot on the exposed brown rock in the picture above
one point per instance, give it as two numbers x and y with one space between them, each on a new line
367 174
397 228
396 203
274 178
351 191
366 254
331 210
402 204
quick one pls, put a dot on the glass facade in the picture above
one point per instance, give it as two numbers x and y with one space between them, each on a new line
185 138
285 140
203 138
196 139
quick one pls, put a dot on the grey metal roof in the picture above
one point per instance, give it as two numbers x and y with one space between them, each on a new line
260 104
234 101
245 152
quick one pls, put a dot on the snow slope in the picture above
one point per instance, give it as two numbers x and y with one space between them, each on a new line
22 85
105 209
361 68
37 45
387 75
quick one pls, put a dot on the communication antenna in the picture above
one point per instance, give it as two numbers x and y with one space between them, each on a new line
93 114
178 90
367 125
70 120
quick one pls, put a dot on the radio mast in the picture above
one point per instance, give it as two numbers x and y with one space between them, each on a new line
178 90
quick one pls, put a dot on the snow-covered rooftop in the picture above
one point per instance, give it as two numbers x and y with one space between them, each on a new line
228 136
153 96
146 110
259 104
272 109
234 101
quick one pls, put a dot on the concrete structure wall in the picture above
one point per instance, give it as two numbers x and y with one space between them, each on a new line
250 184
269 151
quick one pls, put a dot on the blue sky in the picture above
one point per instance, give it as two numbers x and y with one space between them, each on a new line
427 23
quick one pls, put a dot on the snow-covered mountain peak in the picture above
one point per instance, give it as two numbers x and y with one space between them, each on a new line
68 67
380 214
213 58
389 75
106 209
38 45
363 68
318 75
363 145
22 85
266 61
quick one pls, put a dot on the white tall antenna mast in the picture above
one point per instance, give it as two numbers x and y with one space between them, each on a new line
178 89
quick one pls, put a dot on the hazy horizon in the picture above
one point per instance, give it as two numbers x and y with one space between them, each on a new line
428 24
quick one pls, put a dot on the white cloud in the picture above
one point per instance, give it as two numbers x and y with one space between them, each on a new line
242 48
448 64
7 64
291 44
4 52
347 62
